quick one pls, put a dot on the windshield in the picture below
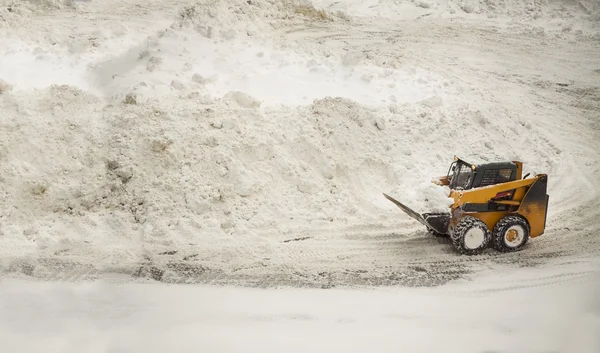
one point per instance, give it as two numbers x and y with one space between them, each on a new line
461 176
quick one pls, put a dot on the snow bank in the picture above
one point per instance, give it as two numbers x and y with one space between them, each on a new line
182 171
192 171
168 63
15 13
228 19
32 6
552 14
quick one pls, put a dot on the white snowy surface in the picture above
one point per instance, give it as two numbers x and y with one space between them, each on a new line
248 143
552 15
252 141
535 310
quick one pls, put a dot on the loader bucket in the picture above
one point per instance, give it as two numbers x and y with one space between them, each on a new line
439 222
436 221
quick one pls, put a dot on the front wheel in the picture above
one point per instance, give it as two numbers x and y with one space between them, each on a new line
471 236
510 234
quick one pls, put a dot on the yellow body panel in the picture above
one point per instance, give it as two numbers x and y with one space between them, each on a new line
519 194
534 211
484 194
519 169
536 215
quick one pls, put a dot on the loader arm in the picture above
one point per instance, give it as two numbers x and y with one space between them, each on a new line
492 193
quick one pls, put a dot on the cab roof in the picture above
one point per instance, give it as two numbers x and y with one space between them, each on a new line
486 165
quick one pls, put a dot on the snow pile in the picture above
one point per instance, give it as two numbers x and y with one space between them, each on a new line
511 10
15 13
33 6
188 170
198 144
184 171
168 64
228 19
517 8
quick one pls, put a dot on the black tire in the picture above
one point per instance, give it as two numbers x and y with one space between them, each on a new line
501 229
469 228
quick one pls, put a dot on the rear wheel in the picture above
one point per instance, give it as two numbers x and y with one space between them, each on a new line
510 234
471 236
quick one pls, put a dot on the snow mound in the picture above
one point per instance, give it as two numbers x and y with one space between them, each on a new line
511 10
168 64
180 171
186 170
530 10
228 19
14 13
33 5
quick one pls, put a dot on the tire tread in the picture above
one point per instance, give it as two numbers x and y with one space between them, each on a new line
459 232
498 237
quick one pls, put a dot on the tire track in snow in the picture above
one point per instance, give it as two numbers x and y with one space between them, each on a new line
378 263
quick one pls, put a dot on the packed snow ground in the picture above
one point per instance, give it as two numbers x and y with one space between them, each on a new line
508 312
251 142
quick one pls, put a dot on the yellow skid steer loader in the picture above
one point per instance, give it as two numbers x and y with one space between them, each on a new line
493 203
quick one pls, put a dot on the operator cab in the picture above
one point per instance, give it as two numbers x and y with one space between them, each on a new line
464 176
